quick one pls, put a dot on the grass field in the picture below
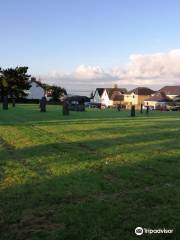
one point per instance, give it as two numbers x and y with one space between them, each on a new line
95 175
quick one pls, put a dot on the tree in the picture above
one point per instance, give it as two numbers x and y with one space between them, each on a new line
13 83
22 82
6 84
55 92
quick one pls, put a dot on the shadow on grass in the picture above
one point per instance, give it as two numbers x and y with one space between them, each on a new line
25 115
105 200
95 203
136 147
134 142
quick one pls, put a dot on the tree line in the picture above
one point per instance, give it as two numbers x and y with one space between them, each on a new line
14 83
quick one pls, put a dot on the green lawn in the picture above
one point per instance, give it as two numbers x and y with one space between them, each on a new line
89 176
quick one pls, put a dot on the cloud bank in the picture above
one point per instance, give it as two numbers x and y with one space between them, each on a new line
152 70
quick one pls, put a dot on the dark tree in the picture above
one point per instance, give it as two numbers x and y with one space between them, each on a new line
5 83
22 82
13 83
55 92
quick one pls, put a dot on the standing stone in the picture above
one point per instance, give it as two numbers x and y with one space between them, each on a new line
141 111
43 104
133 111
119 107
5 103
65 108
147 110
13 102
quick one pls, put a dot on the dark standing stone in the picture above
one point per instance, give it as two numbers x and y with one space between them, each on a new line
13 102
133 111
65 108
5 102
81 107
141 108
43 104
147 110
119 107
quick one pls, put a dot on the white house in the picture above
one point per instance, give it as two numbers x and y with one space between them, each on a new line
36 90
97 95
107 96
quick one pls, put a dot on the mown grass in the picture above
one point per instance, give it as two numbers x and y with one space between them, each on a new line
89 176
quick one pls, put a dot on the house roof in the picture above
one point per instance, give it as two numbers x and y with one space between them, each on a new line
159 97
100 91
111 91
141 91
115 91
117 97
171 90
176 99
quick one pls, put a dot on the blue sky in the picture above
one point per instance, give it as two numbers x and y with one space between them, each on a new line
60 35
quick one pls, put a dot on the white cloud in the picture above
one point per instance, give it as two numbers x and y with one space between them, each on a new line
92 73
159 68
85 77
146 70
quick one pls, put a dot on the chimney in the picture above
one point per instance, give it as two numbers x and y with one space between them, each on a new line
115 85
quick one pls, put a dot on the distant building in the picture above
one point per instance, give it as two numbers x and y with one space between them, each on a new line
171 91
109 96
176 100
137 96
158 101
36 90
165 96
76 102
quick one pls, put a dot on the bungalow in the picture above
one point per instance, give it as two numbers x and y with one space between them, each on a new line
158 101
171 91
137 96
109 96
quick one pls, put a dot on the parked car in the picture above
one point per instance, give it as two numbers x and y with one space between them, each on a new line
87 104
175 108
150 108
103 106
98 105
169 107
94 105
